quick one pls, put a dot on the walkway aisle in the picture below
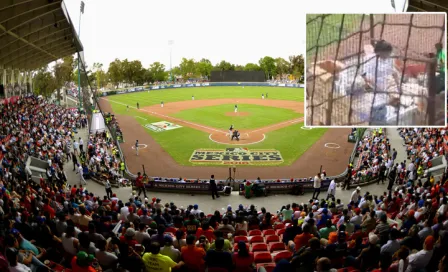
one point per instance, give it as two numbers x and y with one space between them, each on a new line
397 142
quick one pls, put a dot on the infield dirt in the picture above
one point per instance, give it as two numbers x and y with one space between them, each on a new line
159 163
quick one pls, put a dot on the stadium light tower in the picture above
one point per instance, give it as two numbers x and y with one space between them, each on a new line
79 56
170 43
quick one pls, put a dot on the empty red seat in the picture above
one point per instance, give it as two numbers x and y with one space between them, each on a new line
255 232
262 257
276 246
256 239
241 233
280 231
259 247
279 226
268 232
272 238
240 238
285 254
268 266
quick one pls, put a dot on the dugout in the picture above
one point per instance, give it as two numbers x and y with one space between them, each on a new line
237 76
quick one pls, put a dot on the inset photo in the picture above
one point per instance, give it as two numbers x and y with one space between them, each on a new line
375 70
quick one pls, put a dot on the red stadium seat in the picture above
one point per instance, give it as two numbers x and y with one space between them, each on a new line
285 254
279 226
276 246
280 231
256 239
268 266
262 257
254 227
254 232
259 247
240 238
268 232
272 238
241 233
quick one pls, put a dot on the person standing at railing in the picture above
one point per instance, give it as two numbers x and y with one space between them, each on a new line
441 59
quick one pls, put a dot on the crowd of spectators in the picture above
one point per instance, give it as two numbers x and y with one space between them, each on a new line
51 226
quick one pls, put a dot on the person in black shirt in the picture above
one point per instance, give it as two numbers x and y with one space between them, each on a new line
213 187
219 258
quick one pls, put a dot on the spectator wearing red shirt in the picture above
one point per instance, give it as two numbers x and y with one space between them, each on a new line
73 190
243 259
140 185
192 255
48 208
206 231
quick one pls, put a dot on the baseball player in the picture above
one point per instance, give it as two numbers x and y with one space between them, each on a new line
136 147
127 107
161 104
138 105
262 96
231 131
192 97
266 95
236 108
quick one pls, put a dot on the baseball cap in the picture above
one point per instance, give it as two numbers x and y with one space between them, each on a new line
429 242
196 206
130 232
83 259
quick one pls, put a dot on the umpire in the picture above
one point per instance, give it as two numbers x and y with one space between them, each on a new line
213 187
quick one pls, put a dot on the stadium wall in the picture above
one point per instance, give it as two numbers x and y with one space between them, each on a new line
207 84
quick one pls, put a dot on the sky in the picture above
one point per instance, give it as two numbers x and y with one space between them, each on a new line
238 31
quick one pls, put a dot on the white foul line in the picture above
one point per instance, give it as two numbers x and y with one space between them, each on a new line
141 117
173 118
278 124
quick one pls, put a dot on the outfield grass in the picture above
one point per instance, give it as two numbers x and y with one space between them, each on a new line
291 141
258 116
182 94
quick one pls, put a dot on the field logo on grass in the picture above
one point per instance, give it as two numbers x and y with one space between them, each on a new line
237 156
162 126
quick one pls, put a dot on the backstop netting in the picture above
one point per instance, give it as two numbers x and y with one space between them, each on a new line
348 83
237 76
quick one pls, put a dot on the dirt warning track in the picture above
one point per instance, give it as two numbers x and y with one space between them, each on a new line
159 163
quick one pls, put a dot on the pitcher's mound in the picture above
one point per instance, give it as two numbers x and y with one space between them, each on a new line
243 113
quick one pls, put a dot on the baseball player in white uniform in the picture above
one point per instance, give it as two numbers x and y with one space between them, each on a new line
236 108
161 104
230 131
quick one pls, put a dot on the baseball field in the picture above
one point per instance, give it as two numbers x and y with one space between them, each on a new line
191 130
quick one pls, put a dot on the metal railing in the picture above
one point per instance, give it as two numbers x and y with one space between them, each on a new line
349 83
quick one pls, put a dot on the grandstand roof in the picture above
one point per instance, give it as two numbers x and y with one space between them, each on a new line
34 33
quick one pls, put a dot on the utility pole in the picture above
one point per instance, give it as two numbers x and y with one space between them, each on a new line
79 56
170 43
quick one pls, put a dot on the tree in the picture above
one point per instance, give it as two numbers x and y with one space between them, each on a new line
267 64
100 75
282 66
187 68
204 68
297 66
44 82
115 72
158 72
224 66
252 67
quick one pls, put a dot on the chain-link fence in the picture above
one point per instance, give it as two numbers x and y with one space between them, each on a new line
375 70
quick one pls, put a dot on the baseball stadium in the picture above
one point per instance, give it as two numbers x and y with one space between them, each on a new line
194 155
